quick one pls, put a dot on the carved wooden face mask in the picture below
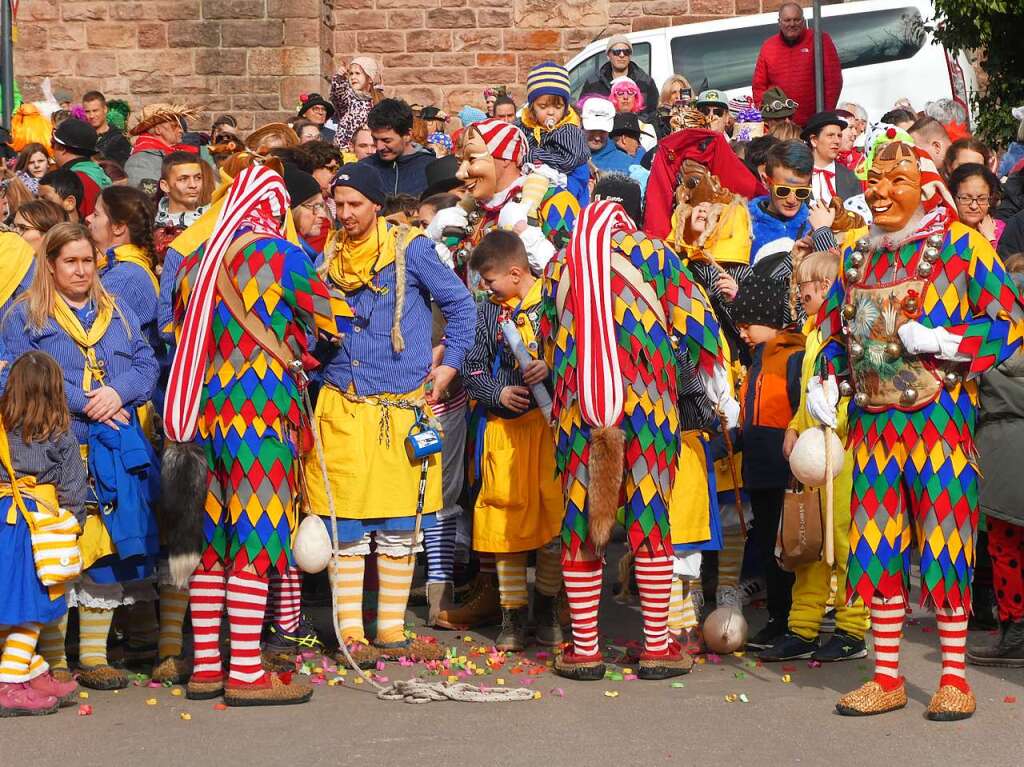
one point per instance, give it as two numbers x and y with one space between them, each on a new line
894 186
477 167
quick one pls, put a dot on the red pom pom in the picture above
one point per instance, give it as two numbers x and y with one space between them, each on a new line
891 133
303 97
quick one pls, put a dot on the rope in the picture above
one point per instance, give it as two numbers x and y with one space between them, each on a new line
412 690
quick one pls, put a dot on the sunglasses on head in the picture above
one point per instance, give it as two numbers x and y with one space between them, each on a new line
711 111
800 192
620 52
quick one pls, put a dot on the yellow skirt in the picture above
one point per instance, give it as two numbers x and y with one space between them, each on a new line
520 505
370 478
689 506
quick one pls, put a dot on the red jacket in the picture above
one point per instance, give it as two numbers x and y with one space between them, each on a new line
791 67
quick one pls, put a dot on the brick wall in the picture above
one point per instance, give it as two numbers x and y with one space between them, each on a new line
253 57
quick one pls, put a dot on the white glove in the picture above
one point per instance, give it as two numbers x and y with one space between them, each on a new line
512 214
917 339
556 178
444 218
731 411
823 399
444 254
538 249
716 386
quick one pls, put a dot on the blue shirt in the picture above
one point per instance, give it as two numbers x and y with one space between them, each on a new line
366 360
611 158
772 234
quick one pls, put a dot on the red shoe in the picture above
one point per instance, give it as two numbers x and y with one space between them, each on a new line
64 692
18 699
582 668
663 665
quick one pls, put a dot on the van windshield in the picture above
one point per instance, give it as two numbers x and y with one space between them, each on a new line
727 58
589 68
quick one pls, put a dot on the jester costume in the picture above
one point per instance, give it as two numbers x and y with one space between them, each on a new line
245 302
615 407
915 317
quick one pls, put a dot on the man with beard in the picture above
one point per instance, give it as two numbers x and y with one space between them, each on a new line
923 306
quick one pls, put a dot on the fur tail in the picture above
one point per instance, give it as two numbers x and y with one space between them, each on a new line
607 449
182 508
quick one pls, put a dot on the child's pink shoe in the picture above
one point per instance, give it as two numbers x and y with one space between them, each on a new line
18 699
64 692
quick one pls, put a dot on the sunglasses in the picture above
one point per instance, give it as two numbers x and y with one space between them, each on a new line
800 192
709 111
620 52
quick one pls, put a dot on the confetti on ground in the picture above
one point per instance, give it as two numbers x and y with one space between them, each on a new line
615 677
792 668
220 707
85 710
786 678
536 695
629 677
185 716
151 702
731 697
358 680
744 698
712 658
154 685
611 694
499 681
83 695
558 692
177 692
814 664
1010 699
740 675
678 685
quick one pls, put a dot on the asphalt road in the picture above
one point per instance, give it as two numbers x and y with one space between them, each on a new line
570 724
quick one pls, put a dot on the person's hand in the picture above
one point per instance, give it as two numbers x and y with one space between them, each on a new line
441 378
103 403
454 217
788 441
987 226
436 355
821 215
513 217
535 372
730 409
515 398
728 286
823 400
554 177
120 418
801 249
917 339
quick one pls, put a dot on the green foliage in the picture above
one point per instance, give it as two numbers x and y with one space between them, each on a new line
993 29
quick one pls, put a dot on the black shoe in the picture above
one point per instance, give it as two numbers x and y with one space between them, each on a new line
766 637
277 640
789 647
547 630
984 616
841 646
1006 652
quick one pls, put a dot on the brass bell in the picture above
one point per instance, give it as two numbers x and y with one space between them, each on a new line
856 350
845 389
910 305
860 399
951 380
894 350
863 244
931 254
473 217
935 240
856 258
908 396
849 311
924 269
852 275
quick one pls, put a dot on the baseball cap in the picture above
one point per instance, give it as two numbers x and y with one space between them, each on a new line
712 96
598 114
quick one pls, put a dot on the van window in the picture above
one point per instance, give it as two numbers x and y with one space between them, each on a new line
589 68
727 58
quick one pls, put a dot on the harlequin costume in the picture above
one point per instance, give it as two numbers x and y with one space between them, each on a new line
915 317
615 303
519 506
245 301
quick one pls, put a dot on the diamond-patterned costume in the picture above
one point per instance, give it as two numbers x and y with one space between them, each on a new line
650 419
915 464
251 412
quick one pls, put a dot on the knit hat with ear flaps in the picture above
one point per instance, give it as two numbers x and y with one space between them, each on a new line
547 79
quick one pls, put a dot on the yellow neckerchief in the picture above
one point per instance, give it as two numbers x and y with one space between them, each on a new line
17 260
526 118
66 318
133 254
355 262
199 232
519 307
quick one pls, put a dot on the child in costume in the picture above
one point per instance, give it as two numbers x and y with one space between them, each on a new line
553 131
41 468
922 308
519 506
813 277
769 396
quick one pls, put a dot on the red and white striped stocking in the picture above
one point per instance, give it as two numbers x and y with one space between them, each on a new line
887 617
206 592
953 641
583 588
286 599
654 581
247 603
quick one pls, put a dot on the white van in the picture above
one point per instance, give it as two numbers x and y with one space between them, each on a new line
883 46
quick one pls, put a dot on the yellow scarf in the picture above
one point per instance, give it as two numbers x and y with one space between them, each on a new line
133 254
354 262
526 117
65 316
520 306
17 260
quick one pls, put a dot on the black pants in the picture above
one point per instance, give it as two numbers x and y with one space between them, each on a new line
767 507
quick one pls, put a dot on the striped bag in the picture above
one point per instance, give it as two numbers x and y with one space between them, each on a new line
54 531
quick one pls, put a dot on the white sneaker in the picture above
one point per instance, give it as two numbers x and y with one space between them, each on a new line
753 589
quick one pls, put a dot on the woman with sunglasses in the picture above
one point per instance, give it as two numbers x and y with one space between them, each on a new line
627 98
976 189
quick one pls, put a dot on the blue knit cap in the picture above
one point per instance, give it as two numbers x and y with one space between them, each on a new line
547 79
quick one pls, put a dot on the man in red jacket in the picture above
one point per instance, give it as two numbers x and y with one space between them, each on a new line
787 60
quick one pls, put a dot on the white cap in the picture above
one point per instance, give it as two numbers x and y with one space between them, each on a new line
598 114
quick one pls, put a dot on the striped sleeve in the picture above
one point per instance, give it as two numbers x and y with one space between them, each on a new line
564 149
